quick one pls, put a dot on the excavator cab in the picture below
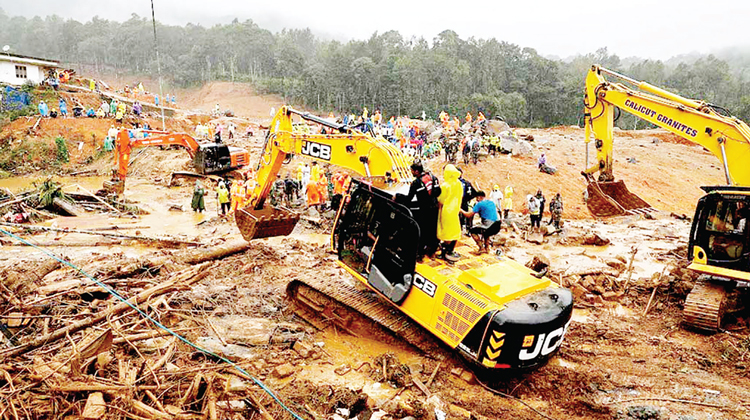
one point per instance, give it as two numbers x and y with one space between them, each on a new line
378 238
218 157
719 235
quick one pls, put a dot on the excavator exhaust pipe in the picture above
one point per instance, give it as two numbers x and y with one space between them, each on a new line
607 199
256 224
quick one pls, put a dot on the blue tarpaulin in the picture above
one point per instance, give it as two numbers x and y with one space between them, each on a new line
15 99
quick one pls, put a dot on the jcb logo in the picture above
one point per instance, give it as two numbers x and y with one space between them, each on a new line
544 344
425 285
316 150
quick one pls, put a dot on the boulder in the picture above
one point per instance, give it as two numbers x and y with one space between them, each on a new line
538 263
284 370
522 148
495 127
95 407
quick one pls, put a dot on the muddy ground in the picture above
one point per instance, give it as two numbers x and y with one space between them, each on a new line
617 362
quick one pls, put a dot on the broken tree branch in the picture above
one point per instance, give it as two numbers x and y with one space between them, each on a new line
184 277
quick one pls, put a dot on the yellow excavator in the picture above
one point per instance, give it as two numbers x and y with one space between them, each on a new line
494 311
719 242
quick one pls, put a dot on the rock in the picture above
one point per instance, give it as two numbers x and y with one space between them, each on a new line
593 238
535 238
95 407
599 290
522 148
284 370
301 348
456 371
646 412
175 207
342 370
579 291
459 412
588 283
538 263
616 264
495 127
612 296
468 377
235 384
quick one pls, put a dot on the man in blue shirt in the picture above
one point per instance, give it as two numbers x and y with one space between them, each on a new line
490 224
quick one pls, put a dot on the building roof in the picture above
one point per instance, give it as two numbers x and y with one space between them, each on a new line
17 58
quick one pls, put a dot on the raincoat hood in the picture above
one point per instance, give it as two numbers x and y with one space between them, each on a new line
450 173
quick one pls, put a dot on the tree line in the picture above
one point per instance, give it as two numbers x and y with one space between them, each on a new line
400 76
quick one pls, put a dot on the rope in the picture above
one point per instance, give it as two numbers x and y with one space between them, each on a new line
157 323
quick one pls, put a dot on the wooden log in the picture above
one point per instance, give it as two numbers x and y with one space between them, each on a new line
111 235
216 252
67 208
18 200
184 277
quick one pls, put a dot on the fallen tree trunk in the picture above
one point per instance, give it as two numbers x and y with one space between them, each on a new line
216 253
110 235
184 277
67 208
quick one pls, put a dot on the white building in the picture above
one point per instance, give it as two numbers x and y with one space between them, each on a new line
18 69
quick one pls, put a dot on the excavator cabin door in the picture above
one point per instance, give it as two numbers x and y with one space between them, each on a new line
378 238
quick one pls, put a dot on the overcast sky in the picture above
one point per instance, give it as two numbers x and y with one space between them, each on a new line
644 28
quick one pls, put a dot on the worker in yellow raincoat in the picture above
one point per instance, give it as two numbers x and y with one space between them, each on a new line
507 201
449 226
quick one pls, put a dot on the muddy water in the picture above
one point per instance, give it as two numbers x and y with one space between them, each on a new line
22 183
160 222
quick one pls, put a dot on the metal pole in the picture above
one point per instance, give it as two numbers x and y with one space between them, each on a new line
158 69
722 141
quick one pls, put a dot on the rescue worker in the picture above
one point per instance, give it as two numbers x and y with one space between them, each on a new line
534 212
63 107
542 201
468 117
449 226
198 192
468 194
489 225
507 201
237 195
277 191
497 197
222 194
426 188
556 209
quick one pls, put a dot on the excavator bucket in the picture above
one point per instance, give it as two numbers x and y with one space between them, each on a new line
255 224
606 199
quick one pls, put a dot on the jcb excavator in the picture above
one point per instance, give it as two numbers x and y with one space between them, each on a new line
492 310
719 243
208 158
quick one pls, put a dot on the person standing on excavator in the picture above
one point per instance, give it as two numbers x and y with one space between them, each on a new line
449 226
426 188
489 226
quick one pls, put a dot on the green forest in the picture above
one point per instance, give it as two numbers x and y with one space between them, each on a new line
400 76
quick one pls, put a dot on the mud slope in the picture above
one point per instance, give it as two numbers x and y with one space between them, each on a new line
239 97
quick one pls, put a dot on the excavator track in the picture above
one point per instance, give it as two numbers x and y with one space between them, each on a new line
324 302
704 306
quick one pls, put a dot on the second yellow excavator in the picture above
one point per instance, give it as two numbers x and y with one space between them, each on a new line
492 310
719 242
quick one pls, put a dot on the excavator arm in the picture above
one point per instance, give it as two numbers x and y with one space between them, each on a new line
124 145
726 137
372 157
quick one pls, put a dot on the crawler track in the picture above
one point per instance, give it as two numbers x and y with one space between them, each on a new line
324 302
704 306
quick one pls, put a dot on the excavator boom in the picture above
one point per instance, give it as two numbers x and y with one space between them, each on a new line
726 137
371 157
